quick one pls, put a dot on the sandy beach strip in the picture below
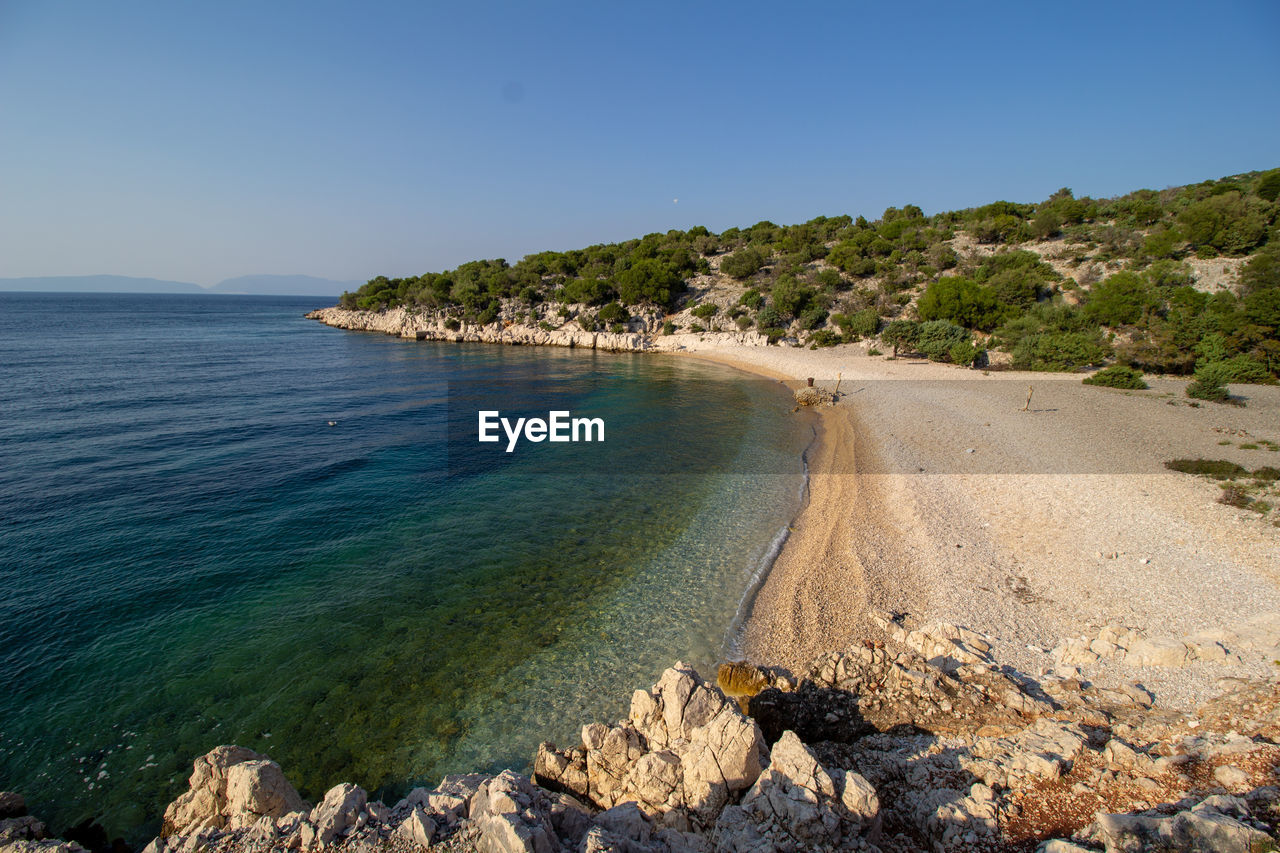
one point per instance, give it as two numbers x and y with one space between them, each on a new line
933 493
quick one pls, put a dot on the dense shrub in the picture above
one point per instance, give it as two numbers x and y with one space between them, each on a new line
1263 308
1226 223
1058 351
649 280
1123 299
824 338
791 296
1262 272
613 313
1117 376
590 291
1210 383
1269 185
743 263
858 325
706 311
936 338
1170 274
964 353
1161 243
900 333
767 317
751 299
812 317
1218 469
1240 368
960 300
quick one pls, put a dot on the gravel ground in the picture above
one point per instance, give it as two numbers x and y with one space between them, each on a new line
933 493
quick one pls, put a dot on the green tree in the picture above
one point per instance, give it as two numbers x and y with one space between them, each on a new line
1162 242
1048 223
1269 185
1058 351
961 300
937 338
1263 308
860 324
1122 299
899 333
614 313
790 296
1210 383
649 280
1262 272
742 264
589 291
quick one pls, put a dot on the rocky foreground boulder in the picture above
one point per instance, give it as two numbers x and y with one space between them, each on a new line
920 741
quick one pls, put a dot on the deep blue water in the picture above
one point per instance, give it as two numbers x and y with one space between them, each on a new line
191 555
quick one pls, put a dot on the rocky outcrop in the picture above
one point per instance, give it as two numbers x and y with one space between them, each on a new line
797 805
932 747
1217 823
427 326
1259 635
23 833
685 750
231 788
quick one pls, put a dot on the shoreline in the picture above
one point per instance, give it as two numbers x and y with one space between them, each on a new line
945 494
936 495
795 614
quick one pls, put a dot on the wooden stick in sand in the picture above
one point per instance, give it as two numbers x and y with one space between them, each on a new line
1030 391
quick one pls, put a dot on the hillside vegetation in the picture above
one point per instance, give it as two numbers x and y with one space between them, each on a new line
1180 280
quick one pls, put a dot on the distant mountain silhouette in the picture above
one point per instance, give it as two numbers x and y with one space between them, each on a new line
264 285
99 284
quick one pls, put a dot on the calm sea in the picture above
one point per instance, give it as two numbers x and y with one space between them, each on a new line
190 554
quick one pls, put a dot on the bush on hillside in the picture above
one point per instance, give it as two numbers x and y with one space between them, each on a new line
824 338
858 325
936 338
962 301
812 317
743 263
613 313
1117 376
1123 299
1058 351
965 353
589 291
649 280
900 334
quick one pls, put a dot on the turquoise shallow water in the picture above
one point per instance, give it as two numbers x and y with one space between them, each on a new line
190 555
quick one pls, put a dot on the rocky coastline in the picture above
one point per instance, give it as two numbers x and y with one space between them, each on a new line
641 334
919 740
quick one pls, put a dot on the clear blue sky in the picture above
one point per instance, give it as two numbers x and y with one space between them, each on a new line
199 141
